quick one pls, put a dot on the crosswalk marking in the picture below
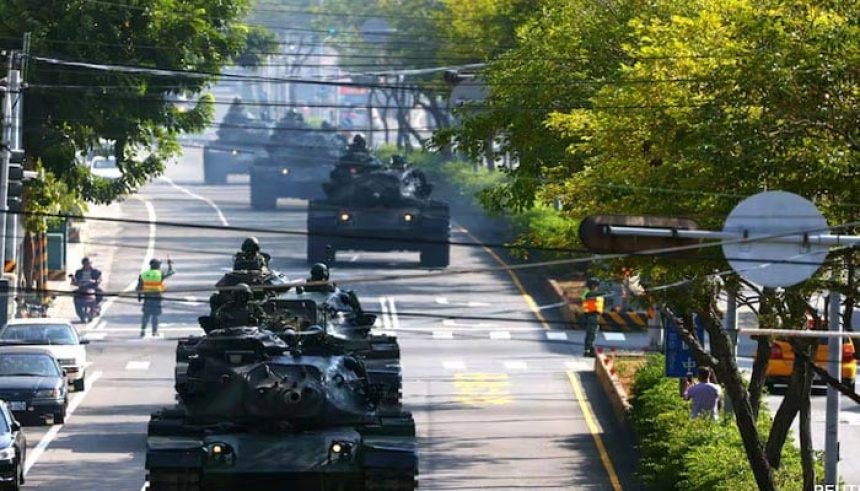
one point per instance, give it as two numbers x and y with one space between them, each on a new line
453 365
614 336
500 335
137 365
556 336
95 336
443 335
516 365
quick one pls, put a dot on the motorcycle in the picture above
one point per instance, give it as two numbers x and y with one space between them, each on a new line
86 300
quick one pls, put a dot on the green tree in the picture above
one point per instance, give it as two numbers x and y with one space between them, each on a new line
70 110
683 109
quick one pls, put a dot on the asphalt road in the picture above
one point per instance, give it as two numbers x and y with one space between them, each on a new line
494 401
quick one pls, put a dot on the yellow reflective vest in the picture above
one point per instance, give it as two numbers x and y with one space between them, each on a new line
152 281
592 302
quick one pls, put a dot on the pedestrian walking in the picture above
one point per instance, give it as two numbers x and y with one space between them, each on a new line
150 290
704 395
592 307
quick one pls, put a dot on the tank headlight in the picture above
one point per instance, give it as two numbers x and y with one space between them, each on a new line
344 216
340 450
217 449
336 447
220 454
408 217
285 171
235 152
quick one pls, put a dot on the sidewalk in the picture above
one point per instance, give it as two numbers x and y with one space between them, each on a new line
93 245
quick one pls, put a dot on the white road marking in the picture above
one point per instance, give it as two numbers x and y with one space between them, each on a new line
145 486
516 365
95 336
478 304
51 434
160 329
383 308
443 335
354 258
478 325
500 335
552 306
137 365
204 199
150 252
445 301
453 365
614 336
191 299
556 336
392 312
578 365
442 300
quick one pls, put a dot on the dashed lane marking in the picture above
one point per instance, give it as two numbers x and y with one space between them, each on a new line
443 335
137 365
34 455
516 365
578 365
191 299
594 428
442 300
500 335
204 199
453 365
614 336
477 325
95 336
556 336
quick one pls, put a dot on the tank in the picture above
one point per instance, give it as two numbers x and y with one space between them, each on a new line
371 206
241 140
299 158
262 413
338 325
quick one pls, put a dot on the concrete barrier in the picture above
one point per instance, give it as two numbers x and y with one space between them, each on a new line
615 393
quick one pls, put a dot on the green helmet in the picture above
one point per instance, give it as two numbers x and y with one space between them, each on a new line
319 272
251 245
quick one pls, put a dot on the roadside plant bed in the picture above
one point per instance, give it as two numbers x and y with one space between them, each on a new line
615 372
677 453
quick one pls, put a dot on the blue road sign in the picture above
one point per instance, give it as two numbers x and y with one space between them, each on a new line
679 357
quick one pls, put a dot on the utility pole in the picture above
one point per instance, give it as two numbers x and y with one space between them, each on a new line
730 324
834 367
10 90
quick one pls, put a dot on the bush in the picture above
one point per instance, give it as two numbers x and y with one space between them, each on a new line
677 453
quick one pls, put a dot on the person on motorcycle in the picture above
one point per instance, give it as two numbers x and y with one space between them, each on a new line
84 278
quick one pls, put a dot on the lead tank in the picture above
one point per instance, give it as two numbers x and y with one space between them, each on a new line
260 413
371 206
241 140
299 158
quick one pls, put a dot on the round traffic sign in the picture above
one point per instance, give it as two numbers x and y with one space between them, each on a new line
778 261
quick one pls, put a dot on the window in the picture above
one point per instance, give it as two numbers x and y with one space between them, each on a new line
28 365
40 334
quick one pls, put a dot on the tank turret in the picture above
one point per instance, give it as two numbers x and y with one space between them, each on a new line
241 139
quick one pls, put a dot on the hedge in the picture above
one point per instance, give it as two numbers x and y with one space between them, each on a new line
677 453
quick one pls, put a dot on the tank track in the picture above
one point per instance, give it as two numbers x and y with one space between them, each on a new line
174 480
389 480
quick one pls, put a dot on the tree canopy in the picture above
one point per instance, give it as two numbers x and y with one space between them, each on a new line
72 109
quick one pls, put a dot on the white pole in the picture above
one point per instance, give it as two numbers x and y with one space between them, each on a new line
834 367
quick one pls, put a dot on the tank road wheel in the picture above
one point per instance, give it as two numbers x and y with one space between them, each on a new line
174 480
435 256
389 480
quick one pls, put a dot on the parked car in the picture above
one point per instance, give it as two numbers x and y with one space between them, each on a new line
55 335
32 384
105 167
13 450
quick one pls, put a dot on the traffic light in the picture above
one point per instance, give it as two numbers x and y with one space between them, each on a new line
15 192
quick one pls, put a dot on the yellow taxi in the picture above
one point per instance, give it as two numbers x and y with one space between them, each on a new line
781 361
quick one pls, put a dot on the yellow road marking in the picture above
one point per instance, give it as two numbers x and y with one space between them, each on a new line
481 389
594 428
514 278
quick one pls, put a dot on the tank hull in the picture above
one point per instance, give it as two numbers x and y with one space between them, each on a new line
270 182
223 159
424 229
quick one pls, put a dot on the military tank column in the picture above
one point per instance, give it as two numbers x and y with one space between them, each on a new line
299 158
371 206
242 139
287 385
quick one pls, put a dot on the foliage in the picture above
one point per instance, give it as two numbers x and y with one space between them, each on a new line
71 110
679 453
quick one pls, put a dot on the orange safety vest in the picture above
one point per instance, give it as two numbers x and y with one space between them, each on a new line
592 305
152 281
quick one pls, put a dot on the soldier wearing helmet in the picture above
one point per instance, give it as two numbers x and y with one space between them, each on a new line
319 279
592 308
240 309
150 290
249 258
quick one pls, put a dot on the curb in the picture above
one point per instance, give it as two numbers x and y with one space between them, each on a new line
618 398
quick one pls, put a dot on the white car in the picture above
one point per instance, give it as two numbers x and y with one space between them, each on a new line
105 167
55 335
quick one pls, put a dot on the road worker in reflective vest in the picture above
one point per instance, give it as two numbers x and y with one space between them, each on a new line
592 307
150 289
